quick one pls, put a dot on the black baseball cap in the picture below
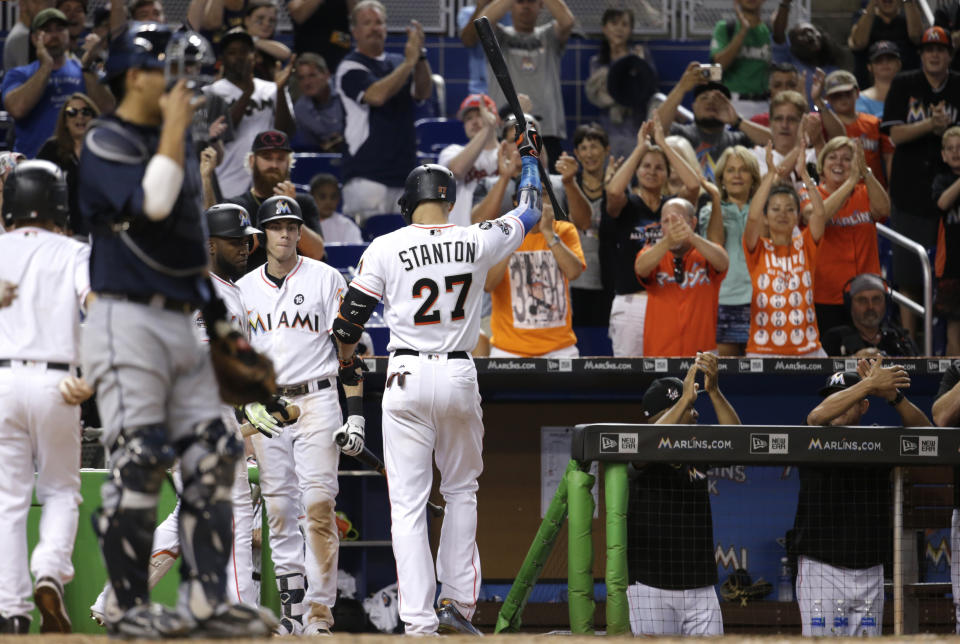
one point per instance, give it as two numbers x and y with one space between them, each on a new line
663 393
271 140
279 207
710 85
237 33
229 220
883 48
839 381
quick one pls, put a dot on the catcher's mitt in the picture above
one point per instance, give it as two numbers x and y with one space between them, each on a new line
739 586
244 376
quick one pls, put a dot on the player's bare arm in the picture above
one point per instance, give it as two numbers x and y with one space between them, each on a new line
946 410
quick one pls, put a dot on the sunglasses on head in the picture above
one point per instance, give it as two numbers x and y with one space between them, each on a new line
73 111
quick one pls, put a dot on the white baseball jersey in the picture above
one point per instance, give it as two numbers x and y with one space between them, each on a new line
430 279
236 312
53 277
291 323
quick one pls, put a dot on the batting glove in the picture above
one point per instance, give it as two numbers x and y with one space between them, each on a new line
350 436
260 418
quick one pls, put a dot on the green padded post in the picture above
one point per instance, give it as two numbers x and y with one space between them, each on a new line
509 619
616 495
580 559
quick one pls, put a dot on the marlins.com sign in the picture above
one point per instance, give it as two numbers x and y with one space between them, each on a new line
843 445
693 443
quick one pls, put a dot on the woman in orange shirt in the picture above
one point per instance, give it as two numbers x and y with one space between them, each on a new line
854 200
783 321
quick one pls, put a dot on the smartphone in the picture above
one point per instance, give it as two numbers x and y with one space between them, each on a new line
712 72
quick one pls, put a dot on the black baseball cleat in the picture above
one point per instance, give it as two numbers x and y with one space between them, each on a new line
48 596
451 621
15 625
149 621
237 620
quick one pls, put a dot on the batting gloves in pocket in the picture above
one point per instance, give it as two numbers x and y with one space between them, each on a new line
350 436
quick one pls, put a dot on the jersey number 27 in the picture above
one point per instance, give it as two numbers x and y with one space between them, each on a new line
424 315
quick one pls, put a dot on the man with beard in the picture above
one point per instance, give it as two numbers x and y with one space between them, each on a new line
33 94
255 105
870 334
269 162
712 112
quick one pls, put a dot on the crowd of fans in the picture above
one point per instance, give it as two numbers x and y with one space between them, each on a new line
749 230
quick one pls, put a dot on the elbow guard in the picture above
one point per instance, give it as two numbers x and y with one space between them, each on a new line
355 310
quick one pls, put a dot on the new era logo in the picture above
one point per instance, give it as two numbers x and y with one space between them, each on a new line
609 443
919 445
769 443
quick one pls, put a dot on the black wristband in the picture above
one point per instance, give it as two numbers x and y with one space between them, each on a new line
736 124
355 405
896 401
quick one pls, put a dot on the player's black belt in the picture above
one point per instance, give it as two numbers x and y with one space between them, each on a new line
56 366
156 300
303 388
453 355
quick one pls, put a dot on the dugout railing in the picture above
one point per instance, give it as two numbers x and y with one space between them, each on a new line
615 446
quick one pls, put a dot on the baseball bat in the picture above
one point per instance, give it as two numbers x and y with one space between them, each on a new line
293 413
491 48
372 461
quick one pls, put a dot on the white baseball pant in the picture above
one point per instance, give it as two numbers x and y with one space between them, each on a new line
298 479
654 611
845 596
39 433
363 198
434 413
566 352
627 316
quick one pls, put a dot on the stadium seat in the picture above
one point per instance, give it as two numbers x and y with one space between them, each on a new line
344 255
307 164
377 225
435 134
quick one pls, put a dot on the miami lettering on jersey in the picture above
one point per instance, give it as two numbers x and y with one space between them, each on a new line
265 324
438 253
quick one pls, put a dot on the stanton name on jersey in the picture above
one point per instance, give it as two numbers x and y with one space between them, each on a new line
438 253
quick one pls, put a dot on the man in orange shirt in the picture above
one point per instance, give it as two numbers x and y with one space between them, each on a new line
530 292
842 91
682 274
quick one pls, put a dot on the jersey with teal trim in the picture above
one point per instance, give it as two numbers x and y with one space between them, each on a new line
381 141
430 279
292 322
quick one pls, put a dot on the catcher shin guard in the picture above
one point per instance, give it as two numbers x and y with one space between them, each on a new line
125 522
208 466
293 592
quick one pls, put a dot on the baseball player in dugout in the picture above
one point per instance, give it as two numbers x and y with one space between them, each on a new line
291 304
157 390
39 394
670 546
841 533
430 277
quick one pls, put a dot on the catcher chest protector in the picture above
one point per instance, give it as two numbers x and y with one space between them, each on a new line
428 182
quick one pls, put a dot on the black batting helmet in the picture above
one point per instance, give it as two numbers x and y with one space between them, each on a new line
35 190
229 220
428 182
279 207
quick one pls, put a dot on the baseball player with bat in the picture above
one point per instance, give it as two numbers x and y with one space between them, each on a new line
430 277
291 302
157 391
39 394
